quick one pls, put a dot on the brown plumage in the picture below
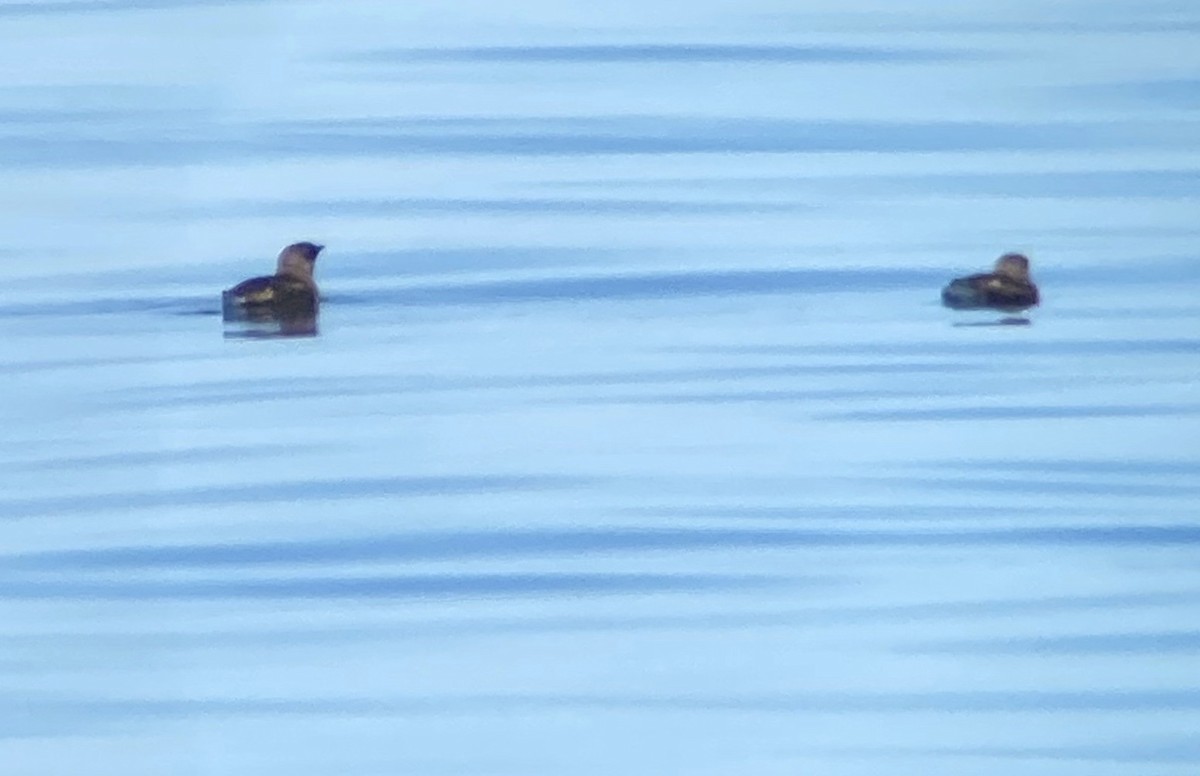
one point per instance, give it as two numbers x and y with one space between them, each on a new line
291 291
1007 287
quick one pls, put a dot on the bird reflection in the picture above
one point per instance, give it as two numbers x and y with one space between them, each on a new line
1008 320
262 324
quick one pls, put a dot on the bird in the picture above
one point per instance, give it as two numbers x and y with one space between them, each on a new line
1007 287
290 293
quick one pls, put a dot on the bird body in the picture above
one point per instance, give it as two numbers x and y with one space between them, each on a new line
1007 287
291 291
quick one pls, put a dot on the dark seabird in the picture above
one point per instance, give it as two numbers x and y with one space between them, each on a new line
290 293
1007 287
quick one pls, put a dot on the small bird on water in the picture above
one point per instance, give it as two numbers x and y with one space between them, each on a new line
290 292
1007 287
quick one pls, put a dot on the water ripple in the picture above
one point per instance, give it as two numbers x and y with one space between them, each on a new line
411 586
578 136
1039 412
645 53
509 544
341 489
977 701
1151 643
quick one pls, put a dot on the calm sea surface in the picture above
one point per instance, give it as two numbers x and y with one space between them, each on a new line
634 438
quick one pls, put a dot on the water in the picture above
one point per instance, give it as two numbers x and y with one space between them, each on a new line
633 438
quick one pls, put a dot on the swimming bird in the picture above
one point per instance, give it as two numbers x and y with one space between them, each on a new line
1007 287
290 292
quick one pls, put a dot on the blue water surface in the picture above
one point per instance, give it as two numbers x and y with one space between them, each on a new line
633 438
